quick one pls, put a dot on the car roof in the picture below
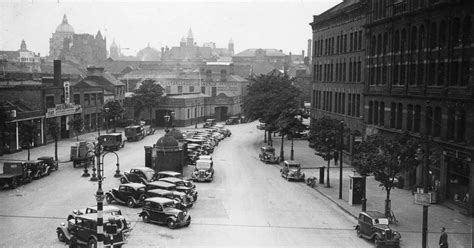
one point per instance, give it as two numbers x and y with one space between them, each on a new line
107 208
32 161
292 162
375 214
45 157
205 157
143 168
112 134
170 179
160 191
160 200
162 183
133 185
133 126
267 148
208 161
169 173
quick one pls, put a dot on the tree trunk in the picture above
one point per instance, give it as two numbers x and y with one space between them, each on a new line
328 184
77 137
282 152
28 152
56 149
387 203
265 136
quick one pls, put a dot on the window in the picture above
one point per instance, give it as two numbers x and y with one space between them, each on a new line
376 112
395 74
191 88
345 43
417 119
429 120
454 73
349 104
437 122
87 100
214 91
168 89
421 39
350 70
450 125
414 34
399 116
180 89
374 45
455 32
50 102
461 126
382 113
441 73
371 109
343 106
93 121
433 36
442 34
379 44
77 99
431 72
87 122
396 44
203 89
355 41
466 30
208 75
393 114
359 71
358 106
223 75
100 98
94 99
360 40
465 71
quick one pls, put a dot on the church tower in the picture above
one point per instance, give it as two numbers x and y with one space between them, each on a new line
114 51
190 39
23 46
231 47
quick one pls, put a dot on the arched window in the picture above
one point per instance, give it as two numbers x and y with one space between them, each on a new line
399 116
379 44
359 71
409 117
421 39
403 43
442 34
355 40
371 109
350 70
374 45
385 43
396 41
429 120
455 32
396 69
433 35
414 34
354 69
466 30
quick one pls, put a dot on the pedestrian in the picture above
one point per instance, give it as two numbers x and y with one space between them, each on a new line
336 157
443 239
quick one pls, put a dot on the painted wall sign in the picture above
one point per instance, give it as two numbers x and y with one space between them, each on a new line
63 109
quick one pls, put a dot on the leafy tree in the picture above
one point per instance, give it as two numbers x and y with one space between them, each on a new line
325 133
114 111
77 124
148 95
269 95
53 129
28 131
288 124
386 157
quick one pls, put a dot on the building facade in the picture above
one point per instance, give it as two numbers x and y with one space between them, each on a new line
338 56
420 79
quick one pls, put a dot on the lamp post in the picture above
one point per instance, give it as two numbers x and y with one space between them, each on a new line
107 120
340 158
328 158
292 152
422 155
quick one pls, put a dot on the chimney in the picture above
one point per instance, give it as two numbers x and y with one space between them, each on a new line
302 53
57 73
95 71
309 49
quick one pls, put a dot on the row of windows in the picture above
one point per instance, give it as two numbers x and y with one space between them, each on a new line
91 99
454 119
439 73
323 100
326 72
191 89
338 45
437 37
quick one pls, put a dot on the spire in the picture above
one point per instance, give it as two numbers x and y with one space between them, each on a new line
99 35
190 34
64 19
23 45
231 41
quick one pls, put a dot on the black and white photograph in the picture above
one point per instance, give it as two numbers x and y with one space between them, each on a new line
237 123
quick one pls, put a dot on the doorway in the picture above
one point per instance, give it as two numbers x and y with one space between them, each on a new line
220 113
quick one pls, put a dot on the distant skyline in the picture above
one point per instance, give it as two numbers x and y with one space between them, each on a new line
133 25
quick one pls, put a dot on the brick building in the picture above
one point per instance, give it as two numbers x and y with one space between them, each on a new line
337 65
419 70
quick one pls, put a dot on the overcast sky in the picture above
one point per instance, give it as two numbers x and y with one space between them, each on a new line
251 24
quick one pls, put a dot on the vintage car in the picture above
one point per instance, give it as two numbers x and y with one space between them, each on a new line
181 186
292 170
38 168
111 141
373 225
131 194
134 133
163 174
205 157
204 171
107 210
180 199
15 173
267 155
261 126
232 120
50 162
163 211
82 153
82 230
209 123
138 175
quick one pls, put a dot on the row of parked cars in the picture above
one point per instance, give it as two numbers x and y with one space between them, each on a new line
19 172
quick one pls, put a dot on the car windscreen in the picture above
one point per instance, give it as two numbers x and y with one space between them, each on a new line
382 221
294 166
169 205
149 175
202 165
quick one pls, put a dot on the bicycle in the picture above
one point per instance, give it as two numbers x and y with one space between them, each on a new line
392 219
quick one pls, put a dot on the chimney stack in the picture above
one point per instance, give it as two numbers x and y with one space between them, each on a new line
302 53
310 42
57 73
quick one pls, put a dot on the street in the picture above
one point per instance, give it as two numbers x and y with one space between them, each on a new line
247 205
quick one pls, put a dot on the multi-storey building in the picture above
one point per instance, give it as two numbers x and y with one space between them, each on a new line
337 66
419 67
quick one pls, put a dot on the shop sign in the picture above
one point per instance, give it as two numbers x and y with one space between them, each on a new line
423 199
63 109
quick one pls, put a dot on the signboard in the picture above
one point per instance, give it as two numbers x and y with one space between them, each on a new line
423 199
66 92
63 109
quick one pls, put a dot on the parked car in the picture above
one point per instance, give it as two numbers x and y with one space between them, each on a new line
53 165
81 230
14 174
204 171
163 174
131 194
181 201
38 168
373 225
111 141
209 123
138 132
163 211
107 211
292 170
82 153
261 126
138 175
181 186
267 155
232 120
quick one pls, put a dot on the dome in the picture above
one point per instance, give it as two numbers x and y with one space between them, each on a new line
64 27
149 54
167 142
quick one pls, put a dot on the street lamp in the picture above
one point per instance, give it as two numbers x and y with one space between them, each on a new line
340 158
107 120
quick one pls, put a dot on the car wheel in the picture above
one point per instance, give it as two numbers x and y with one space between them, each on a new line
130 203
14 183
171 224
92 243
359 234
146 218
377 241
142 197
123 180
109 198
61 236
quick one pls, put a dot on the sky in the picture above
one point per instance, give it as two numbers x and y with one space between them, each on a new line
135 24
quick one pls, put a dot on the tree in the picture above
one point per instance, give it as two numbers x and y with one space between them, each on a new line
148 95
386 157
113 110
288 124
77 124
324 133
268 96
28 134
53 129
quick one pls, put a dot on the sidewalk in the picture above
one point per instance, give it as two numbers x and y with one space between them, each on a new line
406 211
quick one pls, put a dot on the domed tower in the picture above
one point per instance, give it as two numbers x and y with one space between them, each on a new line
166 154
231 47
64 32
190 39
114 51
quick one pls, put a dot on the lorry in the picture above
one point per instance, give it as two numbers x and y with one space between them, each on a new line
15 173
82 153
138 132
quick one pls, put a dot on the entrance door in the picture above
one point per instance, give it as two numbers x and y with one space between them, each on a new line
220 113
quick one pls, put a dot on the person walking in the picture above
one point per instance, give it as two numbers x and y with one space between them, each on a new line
443 239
